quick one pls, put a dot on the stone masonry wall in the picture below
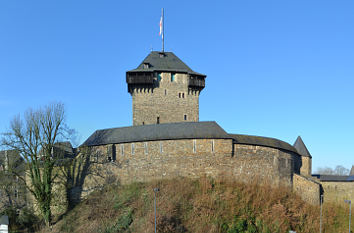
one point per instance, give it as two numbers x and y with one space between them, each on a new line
146 161
338 191
58 202
308 189
171 101
271 164
306 168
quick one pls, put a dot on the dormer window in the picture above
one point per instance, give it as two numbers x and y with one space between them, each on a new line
162 55
146 65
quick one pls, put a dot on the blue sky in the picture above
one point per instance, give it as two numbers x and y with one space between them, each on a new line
274 68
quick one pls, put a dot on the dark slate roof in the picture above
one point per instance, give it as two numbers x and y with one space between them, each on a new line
352 171
334 178
4 220
167 62
301 148
179 130
64 149
262 141
65 146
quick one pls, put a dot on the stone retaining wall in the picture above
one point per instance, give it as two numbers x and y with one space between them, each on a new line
309 190
338 191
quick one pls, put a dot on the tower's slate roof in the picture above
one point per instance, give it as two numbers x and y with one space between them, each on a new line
262 141
164 61
301 148
179 130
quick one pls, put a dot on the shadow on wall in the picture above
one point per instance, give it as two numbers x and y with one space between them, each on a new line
77 170
75 173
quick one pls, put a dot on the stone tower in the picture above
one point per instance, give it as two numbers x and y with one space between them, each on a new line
306 158
164 89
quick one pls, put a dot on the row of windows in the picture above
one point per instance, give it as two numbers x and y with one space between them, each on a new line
146 150
173 77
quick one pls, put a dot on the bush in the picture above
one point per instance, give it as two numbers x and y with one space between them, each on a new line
21 219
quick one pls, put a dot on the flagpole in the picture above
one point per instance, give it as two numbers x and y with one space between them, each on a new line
163 31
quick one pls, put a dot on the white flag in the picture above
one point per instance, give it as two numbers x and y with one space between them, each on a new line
161 34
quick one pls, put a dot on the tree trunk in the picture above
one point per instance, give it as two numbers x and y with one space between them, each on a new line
46 212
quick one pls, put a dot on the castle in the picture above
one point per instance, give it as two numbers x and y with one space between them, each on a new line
167 140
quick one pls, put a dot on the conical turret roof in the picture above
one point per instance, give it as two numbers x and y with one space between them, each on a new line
301 148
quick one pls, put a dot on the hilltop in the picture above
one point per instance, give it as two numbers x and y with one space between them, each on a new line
199 205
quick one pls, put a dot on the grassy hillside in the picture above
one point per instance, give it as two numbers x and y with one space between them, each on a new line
204 205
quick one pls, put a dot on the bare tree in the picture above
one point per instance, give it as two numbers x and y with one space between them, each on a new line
34 138
325 171
339 171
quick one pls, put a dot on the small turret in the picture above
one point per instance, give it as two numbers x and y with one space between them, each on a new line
306 158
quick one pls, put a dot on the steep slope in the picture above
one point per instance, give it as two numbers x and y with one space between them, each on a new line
204 205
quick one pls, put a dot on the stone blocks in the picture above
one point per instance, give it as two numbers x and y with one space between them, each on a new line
168 101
